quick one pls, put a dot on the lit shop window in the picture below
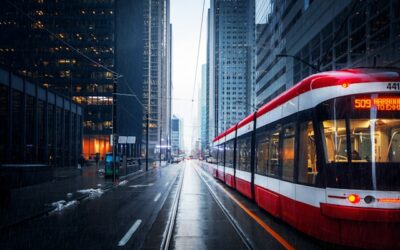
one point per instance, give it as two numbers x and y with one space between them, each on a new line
79 99
99 100
65 73
67 61
37 25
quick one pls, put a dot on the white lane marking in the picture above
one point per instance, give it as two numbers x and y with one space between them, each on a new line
166 184
157 197
142 185
129 234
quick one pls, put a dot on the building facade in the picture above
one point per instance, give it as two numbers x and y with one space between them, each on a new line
231 61
86 50
37 126
176 135
157 75
203 131
43 44
327 35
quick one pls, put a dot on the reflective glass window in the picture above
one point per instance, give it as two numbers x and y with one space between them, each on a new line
288 152
307 154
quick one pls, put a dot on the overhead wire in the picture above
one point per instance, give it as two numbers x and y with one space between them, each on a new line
197 59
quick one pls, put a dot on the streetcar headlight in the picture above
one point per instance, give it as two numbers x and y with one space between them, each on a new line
353 198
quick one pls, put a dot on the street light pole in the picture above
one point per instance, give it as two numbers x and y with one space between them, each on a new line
114 128
147 142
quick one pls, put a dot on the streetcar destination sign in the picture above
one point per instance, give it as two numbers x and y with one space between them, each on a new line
380 103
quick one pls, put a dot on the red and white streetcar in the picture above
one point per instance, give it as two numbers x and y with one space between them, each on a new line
323 156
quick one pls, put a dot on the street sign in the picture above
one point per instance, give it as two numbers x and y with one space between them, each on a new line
131 140
122 139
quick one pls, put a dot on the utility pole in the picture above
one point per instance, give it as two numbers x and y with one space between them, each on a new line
149 91
114 128
147 141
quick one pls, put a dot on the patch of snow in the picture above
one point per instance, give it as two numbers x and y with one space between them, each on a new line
122 183
62 204
93 193
69 195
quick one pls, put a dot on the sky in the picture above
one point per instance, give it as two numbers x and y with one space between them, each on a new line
186 21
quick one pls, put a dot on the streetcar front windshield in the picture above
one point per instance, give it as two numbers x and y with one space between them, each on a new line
360 137
371 140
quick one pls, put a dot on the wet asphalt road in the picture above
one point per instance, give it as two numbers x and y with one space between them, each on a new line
135 215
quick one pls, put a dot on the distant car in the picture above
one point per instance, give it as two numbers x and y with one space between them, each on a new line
176 159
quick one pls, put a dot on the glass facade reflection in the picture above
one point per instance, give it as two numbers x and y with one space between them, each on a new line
37 125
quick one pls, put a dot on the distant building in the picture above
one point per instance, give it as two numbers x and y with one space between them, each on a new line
203 122
231 61
176 135
37 125
326 34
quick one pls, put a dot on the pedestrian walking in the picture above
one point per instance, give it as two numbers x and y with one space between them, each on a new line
97 159
81 162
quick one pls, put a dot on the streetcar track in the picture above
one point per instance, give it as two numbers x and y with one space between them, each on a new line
167 235
267 228
246 241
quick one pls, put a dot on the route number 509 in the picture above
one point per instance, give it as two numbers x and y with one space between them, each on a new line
362 103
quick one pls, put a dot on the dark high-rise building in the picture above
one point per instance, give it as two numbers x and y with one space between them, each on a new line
44 42
82 49
144 60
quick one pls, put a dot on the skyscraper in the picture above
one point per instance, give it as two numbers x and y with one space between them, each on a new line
157 74
50 43
203 133
176 135
86 50
231 61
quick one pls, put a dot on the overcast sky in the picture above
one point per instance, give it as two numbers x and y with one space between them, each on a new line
186 20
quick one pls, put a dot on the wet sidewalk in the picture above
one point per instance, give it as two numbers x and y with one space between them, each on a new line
25 203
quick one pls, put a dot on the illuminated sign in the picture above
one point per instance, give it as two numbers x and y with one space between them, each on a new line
380 103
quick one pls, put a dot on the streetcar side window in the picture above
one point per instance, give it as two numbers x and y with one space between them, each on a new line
221 153
267 155
307 154
229 154
335 142
263 149
288 152
214 153
243 153
273 156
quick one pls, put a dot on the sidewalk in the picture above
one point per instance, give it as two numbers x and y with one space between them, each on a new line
28 202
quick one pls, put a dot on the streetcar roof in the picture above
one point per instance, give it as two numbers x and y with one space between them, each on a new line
321 80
